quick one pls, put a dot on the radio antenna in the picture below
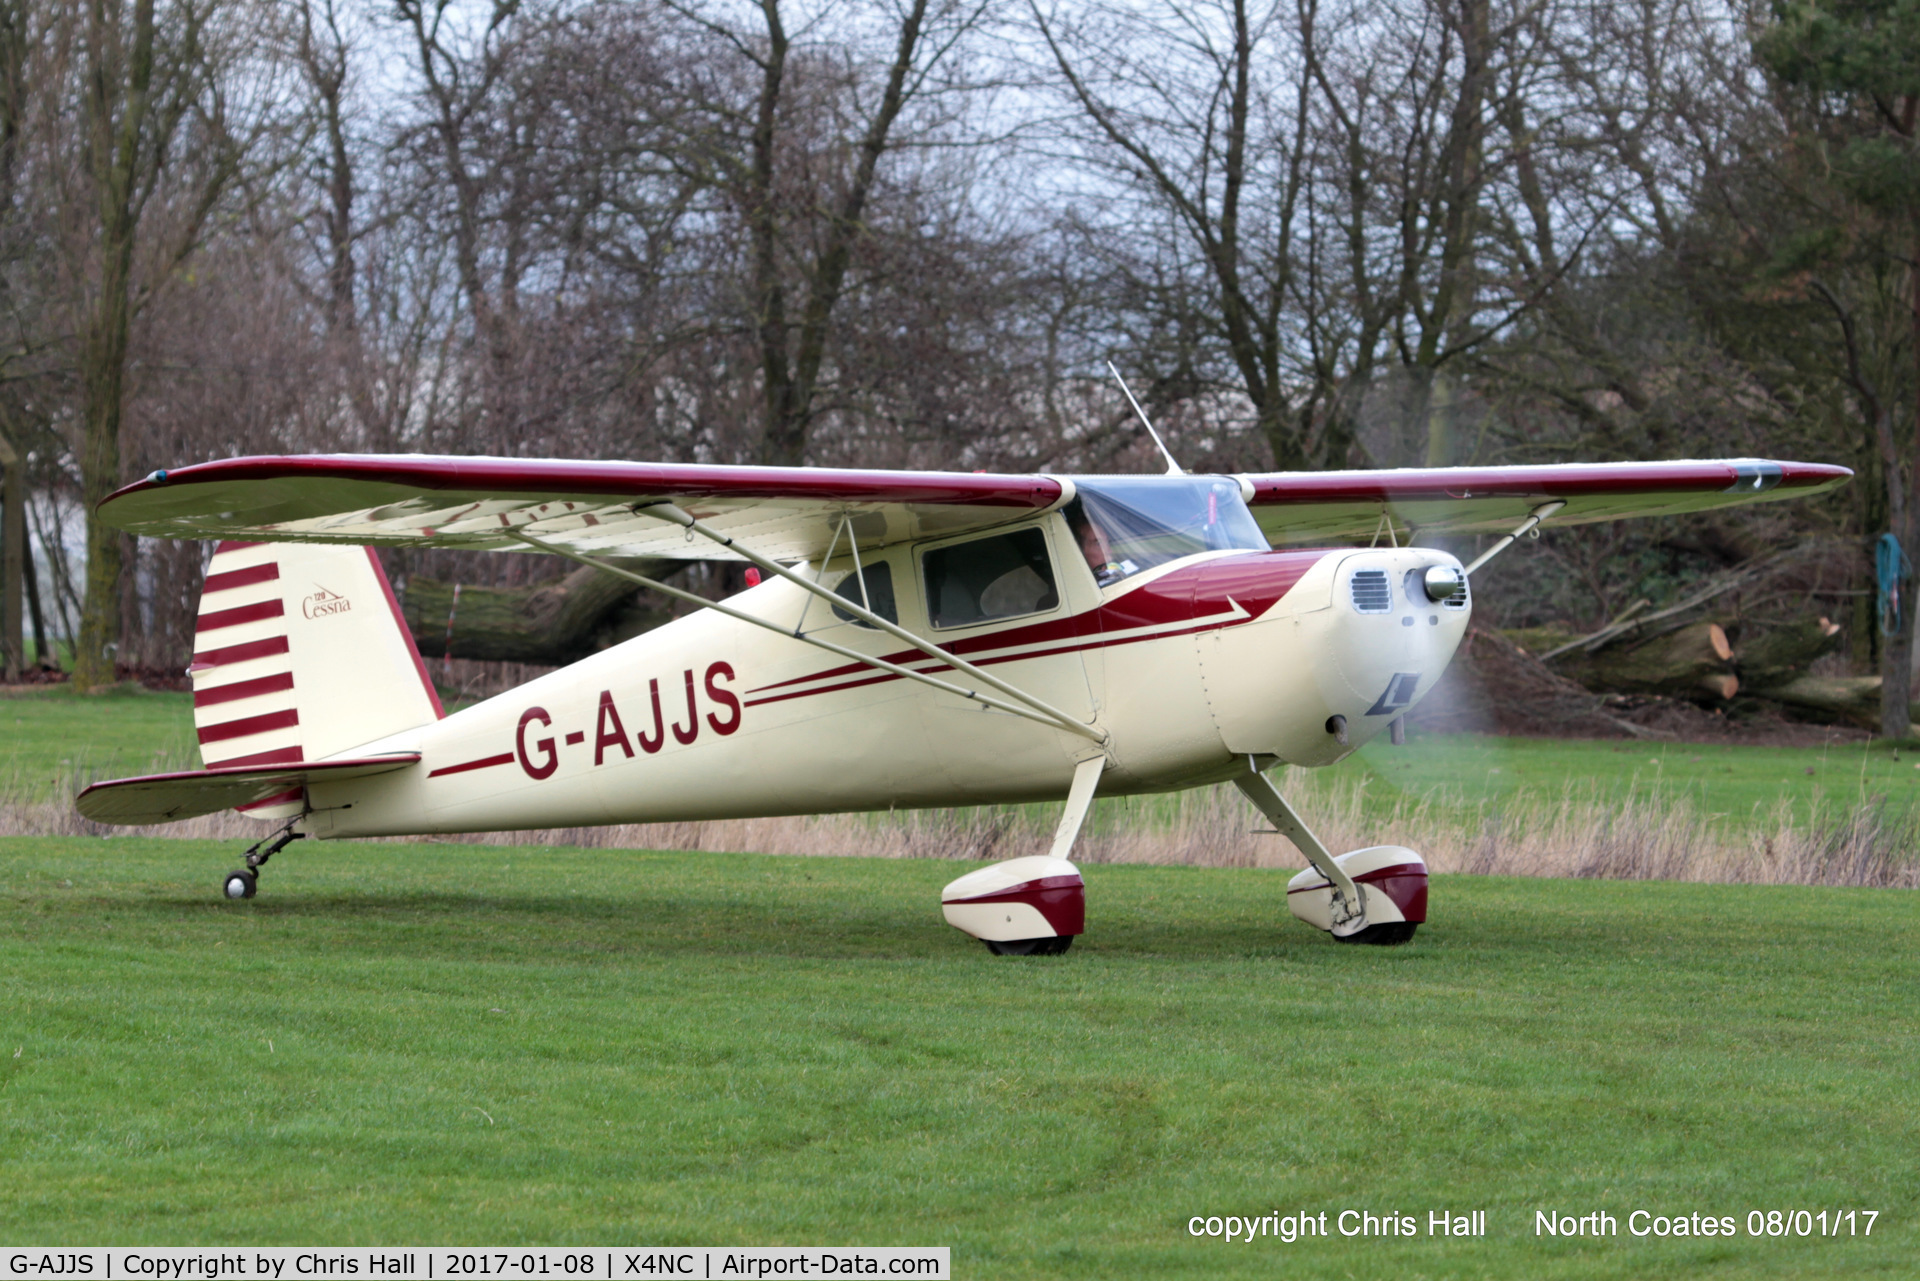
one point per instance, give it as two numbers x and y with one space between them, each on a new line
1173 468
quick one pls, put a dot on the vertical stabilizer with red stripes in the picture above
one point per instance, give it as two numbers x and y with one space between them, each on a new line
300 653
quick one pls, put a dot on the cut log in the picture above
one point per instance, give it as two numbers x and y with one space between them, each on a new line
1852 699
1720 685
1690 662
552 624
1781 654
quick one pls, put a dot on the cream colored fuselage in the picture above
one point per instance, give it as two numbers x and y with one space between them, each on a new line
1187 668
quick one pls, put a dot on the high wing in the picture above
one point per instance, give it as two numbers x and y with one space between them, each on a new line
786 513
1337 506
790 514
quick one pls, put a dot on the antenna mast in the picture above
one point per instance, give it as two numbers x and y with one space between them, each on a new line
1173 468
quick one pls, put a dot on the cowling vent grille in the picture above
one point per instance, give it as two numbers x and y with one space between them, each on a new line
1371 595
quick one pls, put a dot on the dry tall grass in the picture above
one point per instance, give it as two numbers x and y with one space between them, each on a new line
1647 837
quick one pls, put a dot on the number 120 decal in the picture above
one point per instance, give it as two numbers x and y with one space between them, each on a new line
609 733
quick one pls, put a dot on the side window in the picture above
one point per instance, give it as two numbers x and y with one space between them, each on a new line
879 597
1000 577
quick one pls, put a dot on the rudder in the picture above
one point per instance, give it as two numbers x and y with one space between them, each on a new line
300 653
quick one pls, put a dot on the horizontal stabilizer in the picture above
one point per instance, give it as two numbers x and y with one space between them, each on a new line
167 798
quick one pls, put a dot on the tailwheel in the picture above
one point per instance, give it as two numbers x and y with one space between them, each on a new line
1054 946
244 882
1386 934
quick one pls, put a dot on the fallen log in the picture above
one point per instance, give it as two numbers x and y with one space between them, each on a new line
551 624
1781 654
1693 662
1854 699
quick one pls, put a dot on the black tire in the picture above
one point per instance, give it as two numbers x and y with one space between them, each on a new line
1385 934
240 883
1054 946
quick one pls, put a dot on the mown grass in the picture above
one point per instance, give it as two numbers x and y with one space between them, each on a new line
436 1043
50 737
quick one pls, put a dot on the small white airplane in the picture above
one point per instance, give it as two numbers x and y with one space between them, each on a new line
917 639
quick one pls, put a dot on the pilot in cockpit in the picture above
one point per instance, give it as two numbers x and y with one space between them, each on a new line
1095 547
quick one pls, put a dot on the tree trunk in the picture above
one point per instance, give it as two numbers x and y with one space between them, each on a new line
117 105
103 374
13 537
1896 650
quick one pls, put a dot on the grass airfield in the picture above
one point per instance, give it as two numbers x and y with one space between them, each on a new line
452 1044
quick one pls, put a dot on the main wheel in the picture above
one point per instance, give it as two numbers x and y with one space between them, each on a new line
241 884
1053 946
1386 934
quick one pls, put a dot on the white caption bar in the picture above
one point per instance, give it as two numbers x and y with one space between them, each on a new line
516 1263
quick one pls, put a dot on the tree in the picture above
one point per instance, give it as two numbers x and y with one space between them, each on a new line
152 114
1855 168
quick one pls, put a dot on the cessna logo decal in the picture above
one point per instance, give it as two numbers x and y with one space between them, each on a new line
1398 694
541 757
324 602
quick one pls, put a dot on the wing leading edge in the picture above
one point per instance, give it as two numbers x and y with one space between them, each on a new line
1304 507
786 513
789 514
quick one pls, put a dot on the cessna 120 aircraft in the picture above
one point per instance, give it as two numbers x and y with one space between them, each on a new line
914 639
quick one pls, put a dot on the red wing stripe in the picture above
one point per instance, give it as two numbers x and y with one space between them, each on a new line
485 762
233 578
250 725
235 547
240 614
240 653
243 689
279 798
278 756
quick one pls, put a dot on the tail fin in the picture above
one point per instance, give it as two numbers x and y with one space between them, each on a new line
300 654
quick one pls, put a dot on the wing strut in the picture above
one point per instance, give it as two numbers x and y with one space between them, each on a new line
669 512
1527 526
1037 711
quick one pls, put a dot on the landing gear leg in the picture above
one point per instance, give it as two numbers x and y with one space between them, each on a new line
1349 900
244 882
1030 906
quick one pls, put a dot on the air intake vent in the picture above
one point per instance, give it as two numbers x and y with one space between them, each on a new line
1371 595
1459 599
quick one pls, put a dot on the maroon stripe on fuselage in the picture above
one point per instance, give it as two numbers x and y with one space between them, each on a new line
241 653
1203 594
250 725
259 611
243 689
227 580
485 762
231 546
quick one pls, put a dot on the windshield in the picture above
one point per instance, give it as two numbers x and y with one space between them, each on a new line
1124 525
